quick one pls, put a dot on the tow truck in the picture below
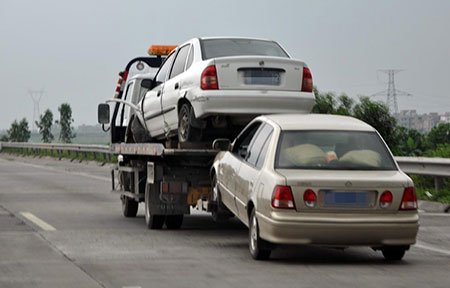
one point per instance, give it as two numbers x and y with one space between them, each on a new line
168 180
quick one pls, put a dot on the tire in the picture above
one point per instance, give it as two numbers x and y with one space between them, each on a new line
186 132
151 220
136 133
174 222
394 253
221 213
257 246
129 207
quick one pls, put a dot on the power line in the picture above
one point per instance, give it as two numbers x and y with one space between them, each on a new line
391 93
36 96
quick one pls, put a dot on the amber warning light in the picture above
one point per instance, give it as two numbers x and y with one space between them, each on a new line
161 50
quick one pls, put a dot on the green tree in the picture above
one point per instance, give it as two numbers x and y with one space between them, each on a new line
377 115
45 126
4 138
65 121
325 103
19 131
345 105
409 142
438 135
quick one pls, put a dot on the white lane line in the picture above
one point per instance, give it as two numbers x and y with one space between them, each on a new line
436 214
429 248
39 222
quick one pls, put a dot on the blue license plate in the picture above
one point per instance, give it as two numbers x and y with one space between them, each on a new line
346 199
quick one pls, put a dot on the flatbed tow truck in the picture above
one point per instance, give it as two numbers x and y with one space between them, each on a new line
168 180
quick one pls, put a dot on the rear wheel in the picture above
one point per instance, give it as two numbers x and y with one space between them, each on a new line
174 221
394 253
129 207
153 221
186 132
259 248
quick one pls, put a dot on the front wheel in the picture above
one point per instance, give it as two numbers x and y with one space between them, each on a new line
257 246
394 253
220 213
186 132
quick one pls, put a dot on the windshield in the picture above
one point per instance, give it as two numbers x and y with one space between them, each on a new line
214 48
334 150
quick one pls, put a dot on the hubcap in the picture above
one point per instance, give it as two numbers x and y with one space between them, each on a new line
253 234
184 125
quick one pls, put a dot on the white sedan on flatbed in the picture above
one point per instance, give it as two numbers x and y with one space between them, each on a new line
210 87
315 179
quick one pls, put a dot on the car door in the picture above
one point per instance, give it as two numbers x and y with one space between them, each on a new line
247 180
172 88
230 164
153 114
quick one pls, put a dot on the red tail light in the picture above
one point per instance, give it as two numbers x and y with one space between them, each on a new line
307 82
122 79
386 199
310 198
409 200
282 198
209 78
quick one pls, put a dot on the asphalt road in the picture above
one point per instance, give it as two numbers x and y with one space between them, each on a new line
61 227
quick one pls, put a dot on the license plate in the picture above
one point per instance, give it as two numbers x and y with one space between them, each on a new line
346 199
262 77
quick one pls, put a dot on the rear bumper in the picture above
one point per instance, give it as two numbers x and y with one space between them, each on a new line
341 231
251 102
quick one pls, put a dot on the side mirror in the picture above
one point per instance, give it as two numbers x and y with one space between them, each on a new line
147 83
103 113
221 144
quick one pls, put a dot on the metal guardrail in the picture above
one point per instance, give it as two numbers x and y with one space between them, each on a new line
436 167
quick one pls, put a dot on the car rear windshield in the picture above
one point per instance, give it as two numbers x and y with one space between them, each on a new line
333 150
214 48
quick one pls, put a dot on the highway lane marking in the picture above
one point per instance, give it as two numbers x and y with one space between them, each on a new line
62 171
429 248
39 222
435 214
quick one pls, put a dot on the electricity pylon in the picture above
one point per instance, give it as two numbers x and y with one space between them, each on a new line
36 96
391 93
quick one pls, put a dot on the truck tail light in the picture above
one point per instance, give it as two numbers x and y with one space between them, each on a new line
282 198
409 200
209 78
310 198
386 199
307 82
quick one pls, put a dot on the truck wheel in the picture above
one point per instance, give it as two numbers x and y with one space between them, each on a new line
174 221
186 132
221 213
129 207
394 253
259 248
153 221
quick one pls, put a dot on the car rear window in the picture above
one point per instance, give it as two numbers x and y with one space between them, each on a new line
215 48
333 150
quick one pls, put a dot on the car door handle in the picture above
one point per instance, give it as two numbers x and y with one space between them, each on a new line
158 93
177 85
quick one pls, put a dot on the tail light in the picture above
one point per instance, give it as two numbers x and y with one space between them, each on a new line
409 200
386 199
307 82
310 198
282 198
122 78
209 78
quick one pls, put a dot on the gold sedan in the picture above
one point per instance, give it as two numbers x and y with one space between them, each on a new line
315 179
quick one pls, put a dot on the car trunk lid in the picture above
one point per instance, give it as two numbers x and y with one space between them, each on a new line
259 73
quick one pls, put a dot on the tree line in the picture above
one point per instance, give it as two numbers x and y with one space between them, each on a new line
20 132
401 141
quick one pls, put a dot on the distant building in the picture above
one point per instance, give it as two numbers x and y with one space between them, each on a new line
421 122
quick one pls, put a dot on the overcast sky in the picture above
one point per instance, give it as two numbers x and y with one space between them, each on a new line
74 49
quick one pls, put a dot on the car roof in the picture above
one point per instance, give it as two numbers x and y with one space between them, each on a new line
234 37
317 122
